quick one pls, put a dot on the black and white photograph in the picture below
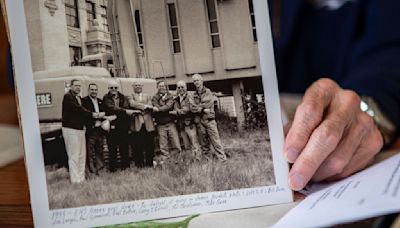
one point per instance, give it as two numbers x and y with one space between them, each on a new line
147 99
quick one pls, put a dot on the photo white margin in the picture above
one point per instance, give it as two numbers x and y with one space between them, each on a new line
33 148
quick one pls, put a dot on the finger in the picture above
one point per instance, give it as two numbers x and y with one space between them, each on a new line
365 154
324 139
336 162
308 116
287 127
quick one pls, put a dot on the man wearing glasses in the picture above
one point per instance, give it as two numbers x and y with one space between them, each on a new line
115 103
186 126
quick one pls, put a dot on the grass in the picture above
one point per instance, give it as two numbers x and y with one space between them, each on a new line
249 164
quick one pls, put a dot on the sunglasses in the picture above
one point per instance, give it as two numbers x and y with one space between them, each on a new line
113 87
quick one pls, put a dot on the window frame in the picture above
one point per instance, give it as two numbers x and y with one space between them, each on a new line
210 22
174 27
72 8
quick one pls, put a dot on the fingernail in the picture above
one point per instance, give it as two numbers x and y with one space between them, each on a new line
296 182
291 155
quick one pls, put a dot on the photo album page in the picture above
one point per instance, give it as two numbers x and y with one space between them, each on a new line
136 110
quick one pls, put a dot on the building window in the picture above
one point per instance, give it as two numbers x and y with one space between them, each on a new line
139 29
71 12
253 20
75 55
104 23
173 22
91 13
212 18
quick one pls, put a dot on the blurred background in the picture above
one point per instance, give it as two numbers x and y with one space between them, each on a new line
8 115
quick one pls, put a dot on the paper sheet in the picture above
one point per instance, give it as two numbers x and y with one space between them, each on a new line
372 192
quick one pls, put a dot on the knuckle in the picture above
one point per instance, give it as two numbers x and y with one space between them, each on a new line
351 98
335 165
328 136
325 83
309 112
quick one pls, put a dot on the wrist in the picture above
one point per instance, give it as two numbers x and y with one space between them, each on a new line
382 121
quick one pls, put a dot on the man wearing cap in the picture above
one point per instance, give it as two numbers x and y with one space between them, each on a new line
73 120
163 101
94 133
115 103
142 127
185 124
203 106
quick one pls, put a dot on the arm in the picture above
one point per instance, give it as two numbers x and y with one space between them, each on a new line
182 111
207 102
75 107
134 104
168 106
193 106
110 108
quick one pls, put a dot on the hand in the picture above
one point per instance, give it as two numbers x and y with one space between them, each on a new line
155 109
148 107
95 115
164 97
111 118
206 110
330 137
129 112
173 113
101 115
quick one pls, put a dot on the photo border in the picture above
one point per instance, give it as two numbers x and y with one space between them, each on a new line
114 213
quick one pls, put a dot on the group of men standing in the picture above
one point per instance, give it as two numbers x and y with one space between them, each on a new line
124 121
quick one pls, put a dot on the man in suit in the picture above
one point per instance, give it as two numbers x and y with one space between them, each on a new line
185 124
166 128
115 103
142 127
203 106
94 132
73 120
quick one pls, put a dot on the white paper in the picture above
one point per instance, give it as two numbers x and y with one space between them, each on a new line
372 192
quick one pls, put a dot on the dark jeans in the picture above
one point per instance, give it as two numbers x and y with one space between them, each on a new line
117 141
142 144
95 150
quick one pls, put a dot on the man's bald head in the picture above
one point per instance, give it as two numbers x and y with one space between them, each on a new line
137 86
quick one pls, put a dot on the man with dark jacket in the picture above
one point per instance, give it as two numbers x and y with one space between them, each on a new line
94 132
142 127
115 103
163 102
185 124
73 120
